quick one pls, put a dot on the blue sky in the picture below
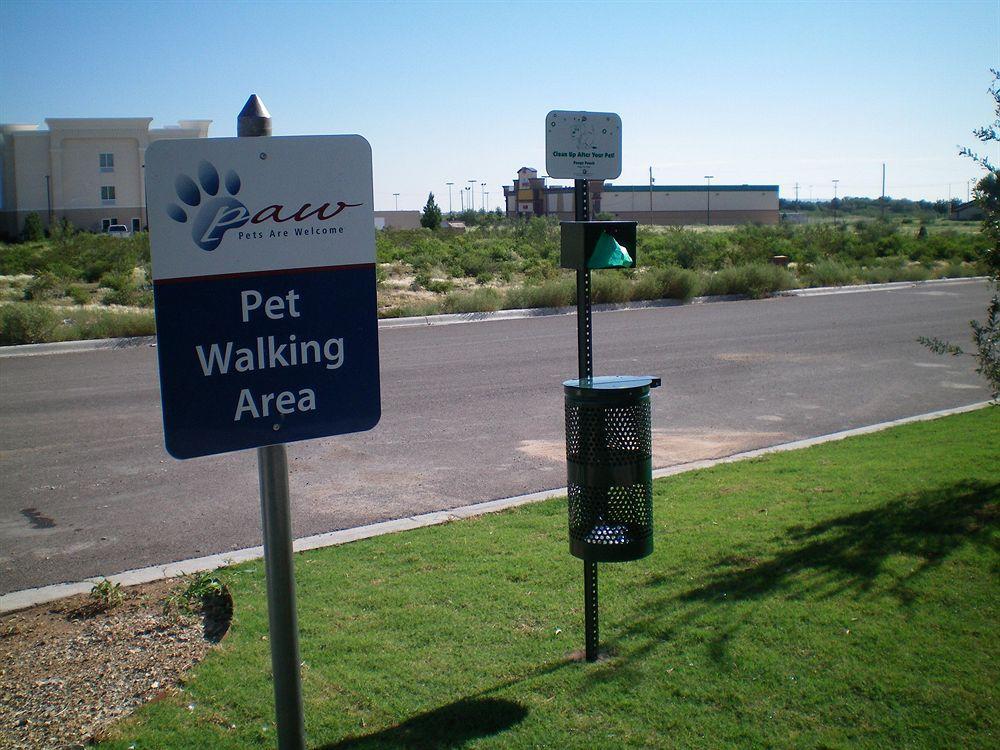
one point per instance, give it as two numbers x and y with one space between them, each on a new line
771 93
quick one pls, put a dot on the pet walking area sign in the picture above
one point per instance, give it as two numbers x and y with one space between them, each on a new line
264 281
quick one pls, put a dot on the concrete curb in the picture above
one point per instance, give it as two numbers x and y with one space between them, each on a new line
30 597
72 347
822 291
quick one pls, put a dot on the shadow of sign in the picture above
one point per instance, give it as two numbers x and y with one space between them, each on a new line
449 726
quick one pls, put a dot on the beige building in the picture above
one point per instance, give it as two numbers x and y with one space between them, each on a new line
86 170
657 204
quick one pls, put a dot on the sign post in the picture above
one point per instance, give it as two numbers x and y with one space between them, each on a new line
607 419
276 524
263 256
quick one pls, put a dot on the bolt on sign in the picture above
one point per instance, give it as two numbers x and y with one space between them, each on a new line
264 285
583 145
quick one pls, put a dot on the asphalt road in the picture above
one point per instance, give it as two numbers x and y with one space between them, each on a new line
471 412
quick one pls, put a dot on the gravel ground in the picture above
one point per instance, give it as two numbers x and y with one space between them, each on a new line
68 670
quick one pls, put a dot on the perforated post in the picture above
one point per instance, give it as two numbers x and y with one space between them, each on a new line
585 361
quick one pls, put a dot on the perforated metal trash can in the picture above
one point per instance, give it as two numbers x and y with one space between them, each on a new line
609 460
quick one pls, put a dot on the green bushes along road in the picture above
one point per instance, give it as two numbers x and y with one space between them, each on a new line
79 285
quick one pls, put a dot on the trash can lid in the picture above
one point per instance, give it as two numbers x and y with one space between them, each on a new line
611 383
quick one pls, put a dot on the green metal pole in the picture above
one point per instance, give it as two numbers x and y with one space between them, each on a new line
585 362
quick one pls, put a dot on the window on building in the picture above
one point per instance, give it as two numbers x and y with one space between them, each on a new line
105 223
107 162
135 225
107 193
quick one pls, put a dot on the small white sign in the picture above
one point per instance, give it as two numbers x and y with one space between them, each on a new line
583 145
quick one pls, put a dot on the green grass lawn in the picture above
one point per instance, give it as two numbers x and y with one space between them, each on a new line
843 596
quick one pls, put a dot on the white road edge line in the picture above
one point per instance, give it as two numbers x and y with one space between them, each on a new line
31 597
75 347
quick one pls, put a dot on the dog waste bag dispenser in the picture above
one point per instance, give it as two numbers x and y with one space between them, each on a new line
609 462
589 245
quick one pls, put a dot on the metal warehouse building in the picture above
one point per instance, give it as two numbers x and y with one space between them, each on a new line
657 204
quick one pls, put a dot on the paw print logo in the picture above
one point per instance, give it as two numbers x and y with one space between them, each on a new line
216 213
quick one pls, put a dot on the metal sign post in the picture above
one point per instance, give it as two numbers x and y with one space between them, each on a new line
585 362
276 520
608 440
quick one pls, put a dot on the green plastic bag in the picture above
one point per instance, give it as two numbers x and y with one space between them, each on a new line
609 254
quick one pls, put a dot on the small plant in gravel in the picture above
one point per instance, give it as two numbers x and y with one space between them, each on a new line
106 595
195 589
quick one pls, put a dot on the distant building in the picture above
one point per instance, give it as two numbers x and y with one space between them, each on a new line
661 204
397 220
970 211
86 170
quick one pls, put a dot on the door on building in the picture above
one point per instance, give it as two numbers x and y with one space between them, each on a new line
135 226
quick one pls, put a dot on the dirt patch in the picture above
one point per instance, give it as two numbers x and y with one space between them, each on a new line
672 447
68 669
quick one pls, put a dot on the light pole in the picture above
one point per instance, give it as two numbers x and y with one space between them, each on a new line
486 197
708 204
461 198
835 201
449 184
482 197
397 200
472 194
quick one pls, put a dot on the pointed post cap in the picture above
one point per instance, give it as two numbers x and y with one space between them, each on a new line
253 119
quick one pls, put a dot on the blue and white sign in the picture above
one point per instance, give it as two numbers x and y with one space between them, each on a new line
263 255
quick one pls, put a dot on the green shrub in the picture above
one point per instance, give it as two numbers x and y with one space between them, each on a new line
610 286
557 292
79 294
756 280
26 323
665 283
125 297
43 286
828 273
33 229
486 299
105 324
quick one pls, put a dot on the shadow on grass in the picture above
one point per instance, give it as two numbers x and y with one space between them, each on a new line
446 727
847 554
850 552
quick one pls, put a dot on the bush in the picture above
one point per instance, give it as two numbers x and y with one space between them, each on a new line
828 273
486 299
756 280
558 292
33 230
79 294
665 283
609 286
43 286
26 323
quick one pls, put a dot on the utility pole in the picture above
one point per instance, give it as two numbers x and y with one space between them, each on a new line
796 196
449 184
708 203
883 191
835 201
651 181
